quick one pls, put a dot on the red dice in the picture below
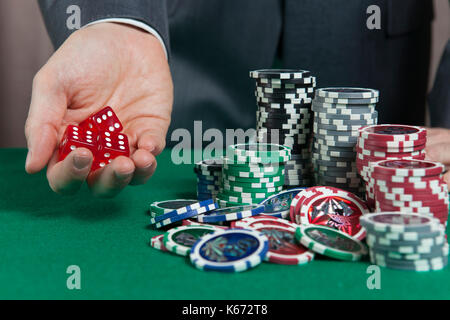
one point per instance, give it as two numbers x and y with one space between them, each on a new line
110 146
104 120
99 133
74 138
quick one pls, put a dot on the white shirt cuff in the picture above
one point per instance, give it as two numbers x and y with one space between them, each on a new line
135 23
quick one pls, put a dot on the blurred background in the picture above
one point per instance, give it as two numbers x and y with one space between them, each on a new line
25 47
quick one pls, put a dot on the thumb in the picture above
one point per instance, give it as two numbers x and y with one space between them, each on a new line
47 109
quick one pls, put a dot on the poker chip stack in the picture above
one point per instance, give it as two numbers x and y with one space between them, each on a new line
209 178
410 186
283 98
338 114
406 241
387 142
251 173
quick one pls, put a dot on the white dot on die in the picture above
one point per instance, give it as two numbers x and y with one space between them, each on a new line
75 137
111 128
75 129
99 120
109 114
107 134
108 139
109 145
72 148
120 136
89 132
122 147
107 155
110 160
116 125
88 137
121 142
104 117
89 140
102 164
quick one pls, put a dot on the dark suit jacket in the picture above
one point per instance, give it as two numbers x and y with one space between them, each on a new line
214 43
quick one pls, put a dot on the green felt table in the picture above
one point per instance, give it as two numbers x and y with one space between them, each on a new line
42 233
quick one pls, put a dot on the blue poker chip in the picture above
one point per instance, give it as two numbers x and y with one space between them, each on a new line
181 210
231 213
231 250
278 204
187 215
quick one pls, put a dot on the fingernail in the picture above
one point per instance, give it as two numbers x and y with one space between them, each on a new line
81 162
27 161
123 176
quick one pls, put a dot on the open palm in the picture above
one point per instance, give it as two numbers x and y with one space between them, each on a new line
102 65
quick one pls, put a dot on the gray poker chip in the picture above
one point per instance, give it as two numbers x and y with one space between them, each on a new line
334 127
333 143
328 132
345 122
347 92
336 138
285 90
346 100
317 107
344 174
358 116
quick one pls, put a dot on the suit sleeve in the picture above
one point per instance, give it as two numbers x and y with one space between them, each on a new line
439 97
150 12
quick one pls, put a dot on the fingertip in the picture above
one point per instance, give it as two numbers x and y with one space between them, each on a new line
143 159
123 167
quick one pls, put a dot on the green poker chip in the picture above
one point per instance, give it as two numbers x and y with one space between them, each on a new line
158 208
264 150
330 242
181 239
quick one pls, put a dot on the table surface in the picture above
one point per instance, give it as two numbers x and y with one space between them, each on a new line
42 233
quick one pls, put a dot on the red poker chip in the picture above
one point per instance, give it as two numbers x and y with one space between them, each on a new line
393 132
439 210
420 196
392 147
384 154
297 202
411 204
432 186
157 242
399 179
405 168
335 208
283 248
390 144
365 160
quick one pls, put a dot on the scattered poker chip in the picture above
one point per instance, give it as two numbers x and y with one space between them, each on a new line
256 221
347 92
189 222
180 210
232 250
283 248
332 207
157 242
187 215
279 204
158 208
231 213
330 242
179 240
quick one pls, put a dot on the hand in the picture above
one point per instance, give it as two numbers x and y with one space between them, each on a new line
103 64
438 148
